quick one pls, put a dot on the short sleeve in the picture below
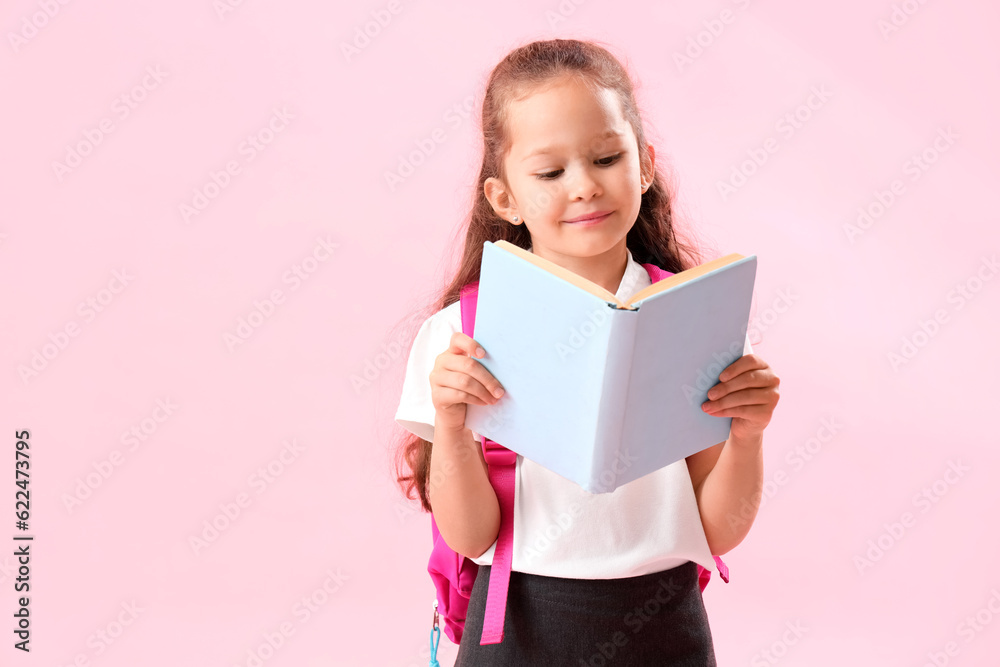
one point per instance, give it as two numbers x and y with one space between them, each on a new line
416 411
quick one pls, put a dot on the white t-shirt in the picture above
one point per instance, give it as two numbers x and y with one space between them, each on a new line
560 530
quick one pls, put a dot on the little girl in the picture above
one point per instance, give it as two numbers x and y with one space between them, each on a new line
595 578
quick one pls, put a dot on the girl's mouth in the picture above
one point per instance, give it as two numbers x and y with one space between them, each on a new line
592 220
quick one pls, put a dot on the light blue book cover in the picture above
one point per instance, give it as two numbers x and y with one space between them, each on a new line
599 391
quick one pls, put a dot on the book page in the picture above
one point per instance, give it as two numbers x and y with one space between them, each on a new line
682 277
561 272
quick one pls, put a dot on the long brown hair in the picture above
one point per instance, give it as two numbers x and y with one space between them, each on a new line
652 238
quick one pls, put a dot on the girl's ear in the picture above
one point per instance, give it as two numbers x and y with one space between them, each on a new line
647 167
496 193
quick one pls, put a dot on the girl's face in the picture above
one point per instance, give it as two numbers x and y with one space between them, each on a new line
572 155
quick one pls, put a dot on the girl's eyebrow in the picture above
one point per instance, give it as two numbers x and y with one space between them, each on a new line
545 150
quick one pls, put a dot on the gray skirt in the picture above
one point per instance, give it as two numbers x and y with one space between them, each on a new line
653 619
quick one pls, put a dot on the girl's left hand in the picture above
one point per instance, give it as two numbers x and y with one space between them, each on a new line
747 391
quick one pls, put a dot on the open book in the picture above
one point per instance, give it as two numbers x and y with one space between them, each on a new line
596 390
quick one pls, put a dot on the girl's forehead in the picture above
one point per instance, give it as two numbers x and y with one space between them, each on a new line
564 115
564 101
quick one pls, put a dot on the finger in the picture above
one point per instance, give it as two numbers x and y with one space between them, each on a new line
486 380
452 395
452 382
468 375
755 378
747 362
756 396
753 413
463 344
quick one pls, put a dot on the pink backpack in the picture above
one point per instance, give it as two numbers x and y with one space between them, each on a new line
454 574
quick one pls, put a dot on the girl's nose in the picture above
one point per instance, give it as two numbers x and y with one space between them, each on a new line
583 185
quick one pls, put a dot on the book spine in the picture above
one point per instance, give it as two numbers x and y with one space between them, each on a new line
614 399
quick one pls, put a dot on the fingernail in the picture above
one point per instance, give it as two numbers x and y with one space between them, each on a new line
480 352
498 392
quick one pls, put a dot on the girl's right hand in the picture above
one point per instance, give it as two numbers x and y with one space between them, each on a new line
458 380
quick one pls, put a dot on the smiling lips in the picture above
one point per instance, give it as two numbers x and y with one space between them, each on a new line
591 218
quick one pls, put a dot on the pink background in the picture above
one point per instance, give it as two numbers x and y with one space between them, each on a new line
327 524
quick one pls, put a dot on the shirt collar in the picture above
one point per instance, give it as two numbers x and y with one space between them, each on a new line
632 281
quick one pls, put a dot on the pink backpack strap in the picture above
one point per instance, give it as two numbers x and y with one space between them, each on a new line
657 274
470 295
501 464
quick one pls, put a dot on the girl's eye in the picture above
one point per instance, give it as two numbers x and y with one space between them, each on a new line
604 162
